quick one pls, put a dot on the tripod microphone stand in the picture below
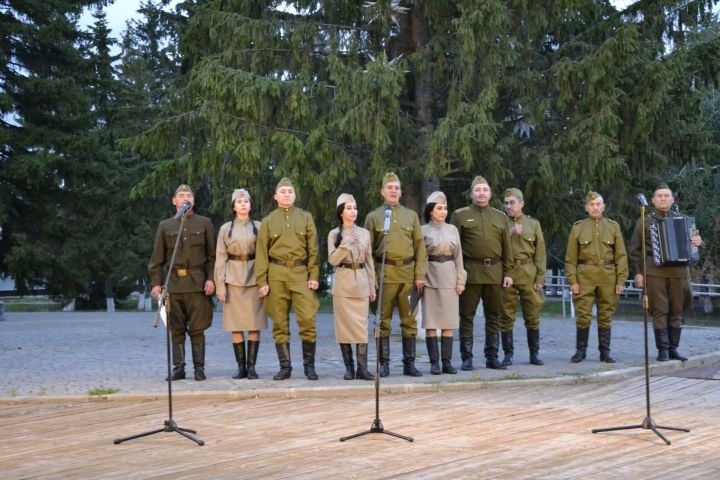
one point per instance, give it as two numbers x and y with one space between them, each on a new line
648 423
169 425
377 426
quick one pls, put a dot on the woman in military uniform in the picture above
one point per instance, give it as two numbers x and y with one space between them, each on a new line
236 285
353 284
444 282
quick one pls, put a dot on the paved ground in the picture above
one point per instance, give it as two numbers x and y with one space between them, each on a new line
67 354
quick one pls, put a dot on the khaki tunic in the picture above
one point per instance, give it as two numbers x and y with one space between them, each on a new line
404 243
288 235
530 265
487 258
668 287
190 309
351 287
596 260
440 301
235 278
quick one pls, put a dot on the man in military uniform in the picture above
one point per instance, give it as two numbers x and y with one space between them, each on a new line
287 271
488 260
191 286
667 286
596 266
528 275
405 268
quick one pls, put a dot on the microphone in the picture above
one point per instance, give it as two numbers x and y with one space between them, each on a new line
186 206
388 213
641 199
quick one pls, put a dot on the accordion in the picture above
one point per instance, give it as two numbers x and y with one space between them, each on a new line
670 238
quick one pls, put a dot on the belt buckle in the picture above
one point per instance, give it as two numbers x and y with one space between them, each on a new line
487 261
182 272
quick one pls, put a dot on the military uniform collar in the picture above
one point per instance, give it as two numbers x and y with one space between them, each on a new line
518 218
480 209
287 210
661 214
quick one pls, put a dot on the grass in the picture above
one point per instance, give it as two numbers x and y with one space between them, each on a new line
13 392
514 376
98 392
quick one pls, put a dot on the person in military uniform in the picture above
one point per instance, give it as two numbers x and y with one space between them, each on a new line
667 286
287 271
405 268
488 260
236 286
528 274
444 282
191 285
596 266
353 284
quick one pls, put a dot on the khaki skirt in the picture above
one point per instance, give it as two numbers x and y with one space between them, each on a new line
243 309
351 319
440 308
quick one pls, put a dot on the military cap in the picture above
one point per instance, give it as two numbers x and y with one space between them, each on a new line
478 180
591 196
437 197
390 177
183 187
514 192
284 182
662 186
240 193
344 198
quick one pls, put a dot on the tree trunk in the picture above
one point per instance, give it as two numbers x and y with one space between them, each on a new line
109 300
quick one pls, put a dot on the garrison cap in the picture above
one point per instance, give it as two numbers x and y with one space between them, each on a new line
662 186
436 197
591 196
478 180
514 192
240 193
183 187
390 177
284 182
344 198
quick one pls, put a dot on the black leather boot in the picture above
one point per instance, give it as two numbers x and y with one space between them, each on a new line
492 344
198 352
508 348
581 343
308 350
604 345
178 355
533 338
384 356
446 350
674 334
408 346
346 350
252 353
662 344
434 354
240 359
283 353
466 355
362 372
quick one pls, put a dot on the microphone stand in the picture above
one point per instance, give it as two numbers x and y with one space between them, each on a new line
377 426
169 425
648 423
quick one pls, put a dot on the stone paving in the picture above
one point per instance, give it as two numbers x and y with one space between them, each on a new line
58 355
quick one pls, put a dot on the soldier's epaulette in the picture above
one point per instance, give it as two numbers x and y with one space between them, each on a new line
612 221
581 220
462 209
498 211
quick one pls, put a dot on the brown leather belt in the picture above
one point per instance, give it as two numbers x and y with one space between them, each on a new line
399 263
242 258
485 261
289 263
184 272
440 258
604 262
524 261
354 266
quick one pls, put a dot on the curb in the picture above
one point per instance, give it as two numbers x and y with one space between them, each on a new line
655 369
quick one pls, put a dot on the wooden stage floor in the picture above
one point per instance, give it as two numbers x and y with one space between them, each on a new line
517 432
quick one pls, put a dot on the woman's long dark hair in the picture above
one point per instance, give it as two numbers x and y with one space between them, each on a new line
338 214
234 216
427 213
